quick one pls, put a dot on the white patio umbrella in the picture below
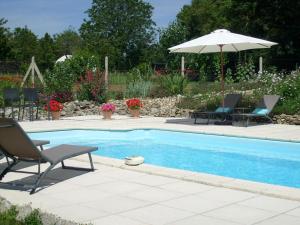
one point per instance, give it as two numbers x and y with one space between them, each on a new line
221 41
63 58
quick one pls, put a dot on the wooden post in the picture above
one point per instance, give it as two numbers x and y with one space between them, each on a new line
182 66
260 65
33 67
106 71
32 72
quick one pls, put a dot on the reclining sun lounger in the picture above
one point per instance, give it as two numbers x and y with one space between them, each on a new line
16 145
230 102
38 143
262 110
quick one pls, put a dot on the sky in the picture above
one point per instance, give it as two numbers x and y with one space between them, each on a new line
55 16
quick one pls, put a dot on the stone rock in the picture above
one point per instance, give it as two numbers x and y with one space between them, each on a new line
4 205
23 212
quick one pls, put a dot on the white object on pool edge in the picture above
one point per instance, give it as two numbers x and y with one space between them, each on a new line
134 160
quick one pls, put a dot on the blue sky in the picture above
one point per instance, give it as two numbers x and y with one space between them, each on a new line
54 16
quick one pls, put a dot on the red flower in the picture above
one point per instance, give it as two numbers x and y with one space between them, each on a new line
134 103
54 106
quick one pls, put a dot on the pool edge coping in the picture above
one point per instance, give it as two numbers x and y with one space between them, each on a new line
190 176
162 129
270 190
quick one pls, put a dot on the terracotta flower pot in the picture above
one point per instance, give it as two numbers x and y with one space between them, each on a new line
107 115
55 115
135 113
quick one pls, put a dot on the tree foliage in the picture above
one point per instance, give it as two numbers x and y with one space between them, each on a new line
4 40
46 53
120 29
25 45
67 42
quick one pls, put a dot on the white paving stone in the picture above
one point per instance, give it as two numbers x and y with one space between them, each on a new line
226 195
271 204
201 220
186 187
81 195
116 220
157 214
137 196
118 187
240 214
152 180
195 204
80 214
154 194
294 212
116 204
281 220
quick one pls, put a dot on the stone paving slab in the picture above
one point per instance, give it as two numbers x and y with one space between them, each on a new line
149 195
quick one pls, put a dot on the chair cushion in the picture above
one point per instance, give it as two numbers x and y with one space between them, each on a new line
260 111
223 109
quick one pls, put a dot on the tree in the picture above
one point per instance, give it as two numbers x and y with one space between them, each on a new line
174 34
121 29
67 42
204 16
276 20
46 57
4 41
24 45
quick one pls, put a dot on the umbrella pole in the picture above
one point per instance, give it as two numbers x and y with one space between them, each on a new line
222 75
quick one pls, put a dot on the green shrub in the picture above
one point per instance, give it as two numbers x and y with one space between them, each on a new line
60 79
8 82
139 88
9 218
245 72
64 75
145 71
174 83
117 78
92 87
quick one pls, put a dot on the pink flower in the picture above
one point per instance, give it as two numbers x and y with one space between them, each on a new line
108 107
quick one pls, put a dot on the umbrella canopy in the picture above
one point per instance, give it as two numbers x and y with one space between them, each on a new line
63 58
221 41
230 42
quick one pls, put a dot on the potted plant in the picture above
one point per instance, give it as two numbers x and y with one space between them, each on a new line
107 110
134 105
55 108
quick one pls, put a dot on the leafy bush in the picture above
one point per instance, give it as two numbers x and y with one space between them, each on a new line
8 82
62 97
117 78
145 71
174 83
9 218
60 79
64 75
139 88
245 72
92 87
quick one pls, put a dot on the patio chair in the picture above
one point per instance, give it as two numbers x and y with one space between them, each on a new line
263 109
38 143
230 102
30 101
11 97
16 145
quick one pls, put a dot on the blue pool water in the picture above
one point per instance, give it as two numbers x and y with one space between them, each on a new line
265 161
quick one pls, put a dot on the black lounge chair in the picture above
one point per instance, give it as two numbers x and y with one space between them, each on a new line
263 109
230 102
11 97
16 145
38 143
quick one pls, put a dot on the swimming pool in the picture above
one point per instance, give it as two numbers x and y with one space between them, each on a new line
259 160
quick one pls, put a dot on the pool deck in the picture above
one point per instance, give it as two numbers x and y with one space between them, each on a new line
115 194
